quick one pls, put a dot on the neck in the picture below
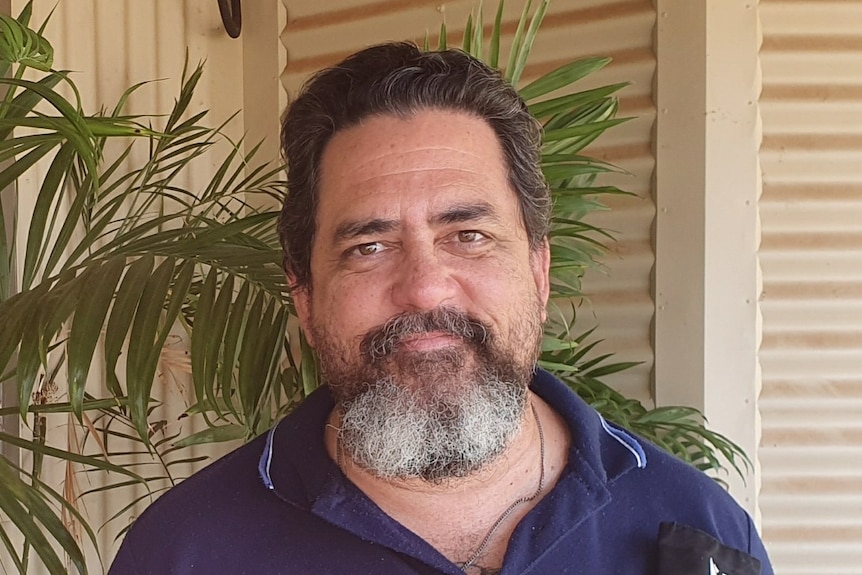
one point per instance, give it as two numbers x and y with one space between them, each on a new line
468 507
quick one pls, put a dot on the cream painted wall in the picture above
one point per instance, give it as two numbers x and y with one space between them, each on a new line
706 230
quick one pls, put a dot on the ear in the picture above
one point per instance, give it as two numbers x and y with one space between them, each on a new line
302 303
540 264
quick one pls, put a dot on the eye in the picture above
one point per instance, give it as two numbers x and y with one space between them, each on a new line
470 236
368 249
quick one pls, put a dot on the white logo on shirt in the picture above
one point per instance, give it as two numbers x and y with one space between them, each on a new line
713 568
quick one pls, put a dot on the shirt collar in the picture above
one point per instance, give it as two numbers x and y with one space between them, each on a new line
297 468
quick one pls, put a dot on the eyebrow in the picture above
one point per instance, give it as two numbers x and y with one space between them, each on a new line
458 213
465 213
354 229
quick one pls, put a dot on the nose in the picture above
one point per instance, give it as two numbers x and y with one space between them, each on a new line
423 282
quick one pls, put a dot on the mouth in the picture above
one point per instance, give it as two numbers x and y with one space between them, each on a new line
429 341
440 330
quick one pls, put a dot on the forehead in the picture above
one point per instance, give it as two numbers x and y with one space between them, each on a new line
432 156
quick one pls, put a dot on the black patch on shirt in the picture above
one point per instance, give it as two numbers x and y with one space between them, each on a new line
684 550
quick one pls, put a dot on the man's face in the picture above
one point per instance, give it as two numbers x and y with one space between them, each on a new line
424 285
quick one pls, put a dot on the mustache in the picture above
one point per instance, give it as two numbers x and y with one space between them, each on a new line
381 341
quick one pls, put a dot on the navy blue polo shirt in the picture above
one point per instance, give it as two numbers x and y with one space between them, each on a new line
280 505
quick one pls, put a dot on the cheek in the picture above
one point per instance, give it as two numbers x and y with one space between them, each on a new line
349 307
501 293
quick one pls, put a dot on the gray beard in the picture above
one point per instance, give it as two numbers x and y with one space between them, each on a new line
430 415
397 434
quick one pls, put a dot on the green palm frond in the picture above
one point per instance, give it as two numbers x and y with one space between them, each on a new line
680 430
30 511
21 45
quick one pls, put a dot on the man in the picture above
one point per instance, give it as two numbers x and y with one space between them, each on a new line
415 235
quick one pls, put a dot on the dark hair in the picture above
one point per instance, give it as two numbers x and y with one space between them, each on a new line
399 79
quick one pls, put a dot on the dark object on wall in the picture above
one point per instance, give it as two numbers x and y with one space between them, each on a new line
231 16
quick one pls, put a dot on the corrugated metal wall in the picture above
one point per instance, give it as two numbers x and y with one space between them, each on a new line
811 256
318 34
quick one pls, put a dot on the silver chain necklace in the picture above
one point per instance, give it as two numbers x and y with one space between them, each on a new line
339 455
520 501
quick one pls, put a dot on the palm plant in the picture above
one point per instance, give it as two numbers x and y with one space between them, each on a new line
114 257
119 253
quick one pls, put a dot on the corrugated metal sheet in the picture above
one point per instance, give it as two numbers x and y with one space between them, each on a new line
811 209
318 34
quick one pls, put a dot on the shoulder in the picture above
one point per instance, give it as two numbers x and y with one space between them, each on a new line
626 463
226 483
226 506
671 491
645 485
191 511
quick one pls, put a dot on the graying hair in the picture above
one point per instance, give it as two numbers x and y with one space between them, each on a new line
398 79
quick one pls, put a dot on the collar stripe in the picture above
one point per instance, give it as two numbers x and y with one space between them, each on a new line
265 461
626 441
